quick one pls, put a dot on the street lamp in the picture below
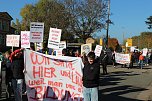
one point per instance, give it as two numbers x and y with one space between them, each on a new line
108 22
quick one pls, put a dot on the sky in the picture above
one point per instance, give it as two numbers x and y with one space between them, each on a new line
128 16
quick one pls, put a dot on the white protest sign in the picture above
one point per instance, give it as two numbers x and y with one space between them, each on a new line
25 39
132 49
145 50
122 58
62 44
54 38
12 40
98 50
39 46
58 52
36 31
52 78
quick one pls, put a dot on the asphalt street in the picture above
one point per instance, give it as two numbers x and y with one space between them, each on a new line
123 84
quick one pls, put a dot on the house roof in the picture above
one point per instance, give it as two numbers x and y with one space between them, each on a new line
2 14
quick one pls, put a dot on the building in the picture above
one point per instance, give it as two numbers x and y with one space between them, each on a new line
5 28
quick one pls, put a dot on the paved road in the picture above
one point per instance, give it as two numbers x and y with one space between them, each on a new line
121 84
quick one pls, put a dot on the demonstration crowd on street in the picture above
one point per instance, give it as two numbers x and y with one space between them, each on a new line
14 64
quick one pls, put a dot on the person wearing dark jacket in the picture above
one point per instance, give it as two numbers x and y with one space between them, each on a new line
90 78
17 68
9 75
104 61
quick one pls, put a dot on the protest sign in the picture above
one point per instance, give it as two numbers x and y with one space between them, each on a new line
52 78
145 50
36 31
54 38
12 40
39 46
25 39
58 52
122 58
98 50
62 44
86 48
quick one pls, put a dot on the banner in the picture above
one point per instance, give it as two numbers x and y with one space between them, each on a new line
51 78
54 38
12 40
122 58
36 31
25 39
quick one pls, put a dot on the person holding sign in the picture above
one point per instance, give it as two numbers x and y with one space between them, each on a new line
90 78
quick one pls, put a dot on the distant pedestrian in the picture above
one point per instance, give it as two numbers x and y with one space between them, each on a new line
113 59
90 78
104 61
141 59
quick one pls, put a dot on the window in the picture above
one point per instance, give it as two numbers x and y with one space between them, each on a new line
5 26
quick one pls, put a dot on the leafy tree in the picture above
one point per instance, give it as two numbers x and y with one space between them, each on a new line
17 26
149 22
86 16
51 12
112 42
27 14
143 41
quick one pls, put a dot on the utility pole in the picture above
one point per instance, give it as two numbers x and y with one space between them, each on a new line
108 22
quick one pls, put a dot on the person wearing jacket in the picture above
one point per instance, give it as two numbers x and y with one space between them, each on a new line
90 78
17 67
104 61
9 75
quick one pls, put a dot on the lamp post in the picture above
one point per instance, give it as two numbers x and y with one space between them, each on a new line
108 22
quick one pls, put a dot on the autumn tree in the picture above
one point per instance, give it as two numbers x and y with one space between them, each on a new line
51 12
86 16
17 26
149 22
143 41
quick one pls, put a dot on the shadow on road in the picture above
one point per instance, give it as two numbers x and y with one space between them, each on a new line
113 91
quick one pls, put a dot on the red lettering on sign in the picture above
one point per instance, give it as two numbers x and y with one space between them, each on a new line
54 94
74 76
64 64
38 59
36 82
41 71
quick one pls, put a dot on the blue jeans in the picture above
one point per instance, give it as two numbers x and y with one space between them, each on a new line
141 64
17 87
90 94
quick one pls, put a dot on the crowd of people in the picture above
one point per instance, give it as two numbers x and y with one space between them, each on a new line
137 58
14 63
